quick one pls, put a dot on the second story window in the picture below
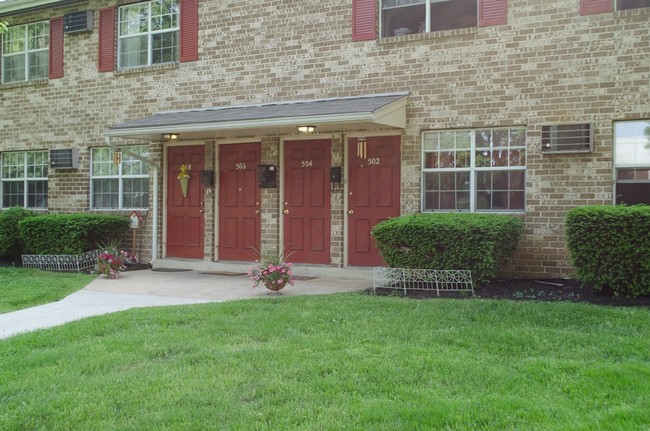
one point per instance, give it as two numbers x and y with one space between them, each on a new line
25 52
402 17
631 4
24 179
148 33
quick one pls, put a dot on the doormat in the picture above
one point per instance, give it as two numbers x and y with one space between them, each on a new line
170 270
227 273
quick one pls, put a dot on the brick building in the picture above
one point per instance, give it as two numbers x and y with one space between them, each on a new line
527 107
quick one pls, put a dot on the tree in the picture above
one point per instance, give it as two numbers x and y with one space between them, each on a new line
3 27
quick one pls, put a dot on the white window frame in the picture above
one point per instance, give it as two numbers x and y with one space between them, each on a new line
149 33
637 154
473 169
116 173
407 3
24 175
26 51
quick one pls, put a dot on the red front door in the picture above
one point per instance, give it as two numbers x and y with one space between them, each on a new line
307 208
239 201
374 194
185 213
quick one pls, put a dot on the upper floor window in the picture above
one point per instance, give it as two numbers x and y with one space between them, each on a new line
24 179
401 17
148 33
474 170
25 52
631 4
119 186
632 161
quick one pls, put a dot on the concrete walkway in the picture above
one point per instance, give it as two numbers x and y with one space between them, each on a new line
150 289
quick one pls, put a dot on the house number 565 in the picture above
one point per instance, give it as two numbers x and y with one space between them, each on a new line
239 166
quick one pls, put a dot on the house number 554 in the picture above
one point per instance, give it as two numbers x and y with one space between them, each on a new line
306 164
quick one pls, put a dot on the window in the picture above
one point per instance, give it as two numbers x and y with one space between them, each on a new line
632 161
148 33
631 4
125 185
24 179
474 170
26 52
401 17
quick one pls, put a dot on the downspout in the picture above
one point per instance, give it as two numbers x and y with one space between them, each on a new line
154 218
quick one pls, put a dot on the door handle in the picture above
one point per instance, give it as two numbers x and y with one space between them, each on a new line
201 210
350 212
257 211
285 212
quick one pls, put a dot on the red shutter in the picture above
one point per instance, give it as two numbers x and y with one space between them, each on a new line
106 39
189 33
364 20
56 48
590 7
492 12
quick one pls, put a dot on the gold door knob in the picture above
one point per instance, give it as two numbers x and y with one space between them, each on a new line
201 211
350 212
285 211
257 211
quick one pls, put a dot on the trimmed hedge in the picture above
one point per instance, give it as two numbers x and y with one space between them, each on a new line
71 233
10 242
478 242
610 247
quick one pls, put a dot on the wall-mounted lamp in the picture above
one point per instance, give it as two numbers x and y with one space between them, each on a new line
306 129
169 136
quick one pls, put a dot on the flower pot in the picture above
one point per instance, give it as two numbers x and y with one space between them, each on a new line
184 184
274 286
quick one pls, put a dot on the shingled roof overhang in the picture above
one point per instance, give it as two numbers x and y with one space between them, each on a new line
15 7
371 112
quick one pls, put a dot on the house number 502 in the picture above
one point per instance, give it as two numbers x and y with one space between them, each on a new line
239 166
373 161
306 164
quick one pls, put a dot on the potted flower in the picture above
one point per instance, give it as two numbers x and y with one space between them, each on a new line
112 261
271 270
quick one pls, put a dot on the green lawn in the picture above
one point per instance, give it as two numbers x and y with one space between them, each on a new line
338 362
22 288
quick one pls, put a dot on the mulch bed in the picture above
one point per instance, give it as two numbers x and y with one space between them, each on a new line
533 290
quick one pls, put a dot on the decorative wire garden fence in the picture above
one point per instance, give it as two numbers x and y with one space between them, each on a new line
61 262
436 280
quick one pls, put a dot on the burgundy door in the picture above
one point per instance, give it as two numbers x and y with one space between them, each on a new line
239 201
185 213
374 193
307 208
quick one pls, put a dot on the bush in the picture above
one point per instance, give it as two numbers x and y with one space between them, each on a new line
610 247
478 242
11 244
71 233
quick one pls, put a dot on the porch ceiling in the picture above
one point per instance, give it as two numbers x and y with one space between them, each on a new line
371 112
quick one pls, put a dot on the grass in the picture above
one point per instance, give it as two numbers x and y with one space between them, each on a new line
338 362
22 288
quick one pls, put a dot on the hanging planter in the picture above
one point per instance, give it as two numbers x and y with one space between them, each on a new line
184 178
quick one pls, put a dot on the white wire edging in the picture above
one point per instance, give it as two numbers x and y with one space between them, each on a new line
61 262
437 280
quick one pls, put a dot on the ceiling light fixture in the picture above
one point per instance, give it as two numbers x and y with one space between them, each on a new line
306 129
170 136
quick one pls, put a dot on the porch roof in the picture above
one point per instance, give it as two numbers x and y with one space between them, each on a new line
370 112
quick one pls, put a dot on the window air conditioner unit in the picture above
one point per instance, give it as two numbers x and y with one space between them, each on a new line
64 159
78 22
567 138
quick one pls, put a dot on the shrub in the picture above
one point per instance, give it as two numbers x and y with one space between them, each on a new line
71 233
478 242
11 244
610 247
